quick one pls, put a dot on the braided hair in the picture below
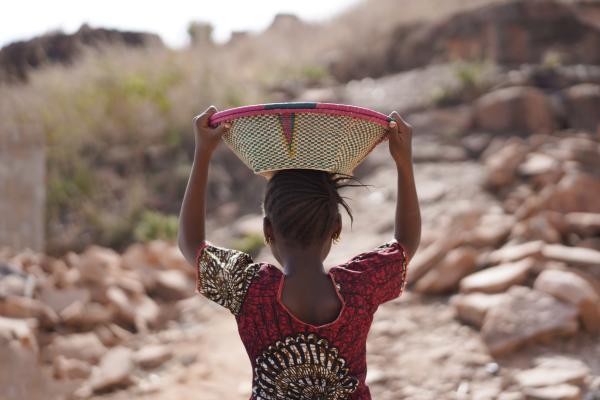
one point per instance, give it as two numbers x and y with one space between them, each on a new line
302 204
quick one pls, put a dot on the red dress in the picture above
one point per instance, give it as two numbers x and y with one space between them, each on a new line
292 359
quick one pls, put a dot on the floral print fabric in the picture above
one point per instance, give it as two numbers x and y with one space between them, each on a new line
292 359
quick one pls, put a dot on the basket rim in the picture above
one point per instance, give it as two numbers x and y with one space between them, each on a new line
295 107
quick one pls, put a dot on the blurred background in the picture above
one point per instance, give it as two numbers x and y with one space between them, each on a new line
96 146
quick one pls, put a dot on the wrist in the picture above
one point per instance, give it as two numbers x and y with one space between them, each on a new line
404 163
203 150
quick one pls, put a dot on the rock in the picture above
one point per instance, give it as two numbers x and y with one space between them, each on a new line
497 279
449 122
492 229
97 263
172 258
515 109
514 252
139 311
542 226
149 357
130 283
505 33
12 285
538 163
66 368
114 371
20 374
572 255
584 224
526 315
431 191
572 288
582 103
24 307
471 308
86 315
575 192
445 275
173 285
111 334
80 346
424 260
501 166
541 376
476 143
511 396
438 152
59 299
21 330
557 392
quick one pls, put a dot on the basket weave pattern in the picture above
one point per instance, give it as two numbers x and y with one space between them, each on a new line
305 138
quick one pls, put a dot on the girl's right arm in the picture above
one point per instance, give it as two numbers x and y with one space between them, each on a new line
192 215
408 216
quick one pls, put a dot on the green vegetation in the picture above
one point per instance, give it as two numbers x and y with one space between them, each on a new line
251 243
155 225
472 80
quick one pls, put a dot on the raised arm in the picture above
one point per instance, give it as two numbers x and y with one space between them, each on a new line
408 215
192 215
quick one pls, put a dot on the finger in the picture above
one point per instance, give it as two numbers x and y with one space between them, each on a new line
403 126
222 129
202 119
393 127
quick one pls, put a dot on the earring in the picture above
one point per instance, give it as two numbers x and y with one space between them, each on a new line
336 238
267 240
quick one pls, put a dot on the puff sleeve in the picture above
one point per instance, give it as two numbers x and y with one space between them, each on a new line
224 275
382 272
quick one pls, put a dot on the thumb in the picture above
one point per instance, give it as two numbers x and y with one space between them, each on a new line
222 129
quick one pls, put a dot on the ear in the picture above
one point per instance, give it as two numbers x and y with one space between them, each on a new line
337 226
267 228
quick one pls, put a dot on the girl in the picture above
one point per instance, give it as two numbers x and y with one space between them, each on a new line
304 329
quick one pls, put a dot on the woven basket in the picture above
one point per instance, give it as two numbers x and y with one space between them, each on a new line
324 136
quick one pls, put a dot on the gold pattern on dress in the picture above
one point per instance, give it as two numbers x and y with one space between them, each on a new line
302 367
225 276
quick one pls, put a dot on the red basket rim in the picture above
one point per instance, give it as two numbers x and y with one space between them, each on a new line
294 107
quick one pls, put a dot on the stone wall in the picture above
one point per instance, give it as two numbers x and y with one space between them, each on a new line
22 189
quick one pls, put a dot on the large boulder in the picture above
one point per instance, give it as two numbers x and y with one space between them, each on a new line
515 110
498 278
582 104
515 32
574 289
526 315
444 277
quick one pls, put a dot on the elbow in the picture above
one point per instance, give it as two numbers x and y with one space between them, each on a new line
185 248
410 244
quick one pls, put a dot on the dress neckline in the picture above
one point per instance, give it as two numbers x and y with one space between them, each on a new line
291 314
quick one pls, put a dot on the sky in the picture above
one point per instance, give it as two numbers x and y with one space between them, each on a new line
24 19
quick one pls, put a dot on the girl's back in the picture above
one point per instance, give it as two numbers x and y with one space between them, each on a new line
293 358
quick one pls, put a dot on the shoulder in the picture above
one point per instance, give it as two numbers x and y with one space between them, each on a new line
266 275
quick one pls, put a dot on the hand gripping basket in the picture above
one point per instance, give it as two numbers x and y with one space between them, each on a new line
324 136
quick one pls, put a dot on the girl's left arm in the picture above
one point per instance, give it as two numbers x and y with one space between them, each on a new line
193 209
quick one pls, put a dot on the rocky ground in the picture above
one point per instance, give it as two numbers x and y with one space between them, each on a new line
187 347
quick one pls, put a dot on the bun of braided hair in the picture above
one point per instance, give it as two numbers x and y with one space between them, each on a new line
302 204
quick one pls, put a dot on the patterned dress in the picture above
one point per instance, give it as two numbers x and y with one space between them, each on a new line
292 359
